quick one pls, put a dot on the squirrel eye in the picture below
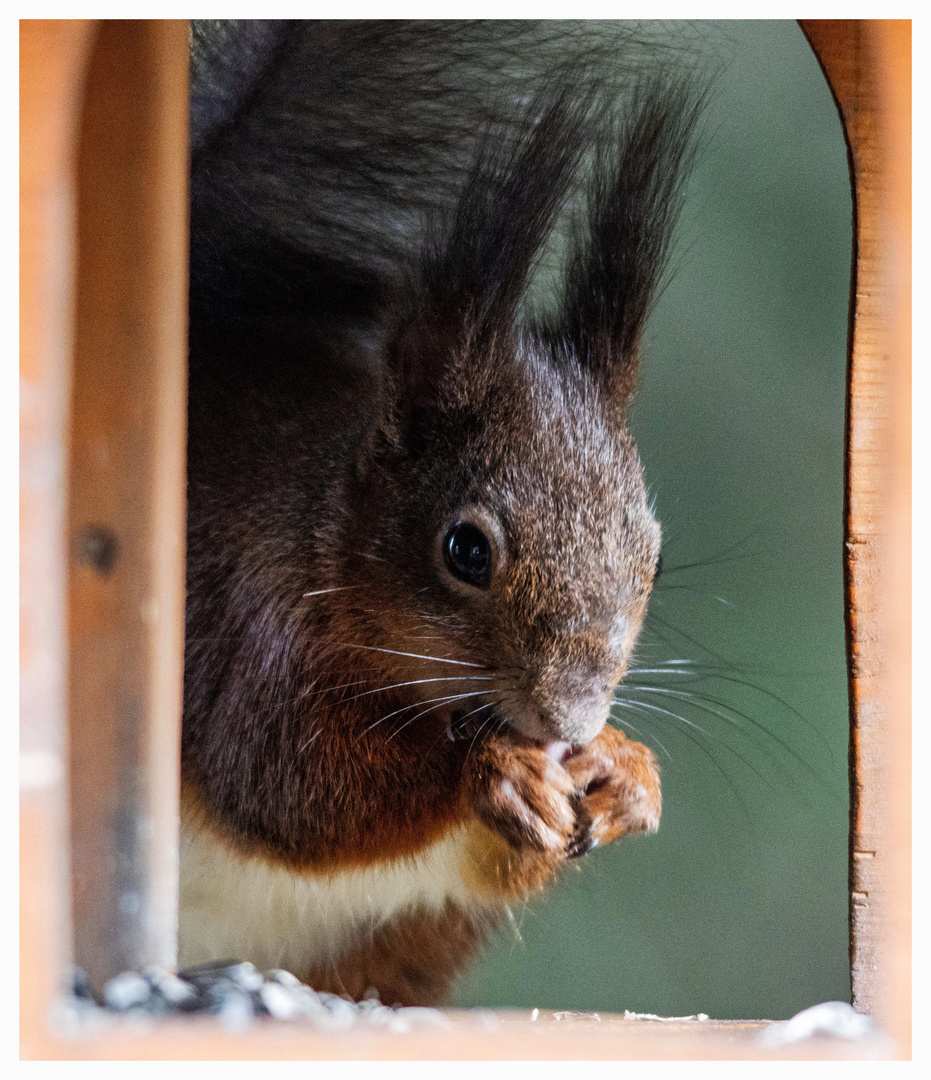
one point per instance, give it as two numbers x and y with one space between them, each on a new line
468 554
659 566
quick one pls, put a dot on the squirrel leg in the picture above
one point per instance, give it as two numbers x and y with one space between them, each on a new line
412 959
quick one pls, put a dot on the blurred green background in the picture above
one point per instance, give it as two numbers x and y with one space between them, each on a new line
738 906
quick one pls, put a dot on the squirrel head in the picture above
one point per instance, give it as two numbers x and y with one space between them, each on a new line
499 500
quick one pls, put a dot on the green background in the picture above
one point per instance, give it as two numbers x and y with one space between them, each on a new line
737 907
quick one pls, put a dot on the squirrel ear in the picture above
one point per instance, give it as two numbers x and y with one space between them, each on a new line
421 354
633 200
474 267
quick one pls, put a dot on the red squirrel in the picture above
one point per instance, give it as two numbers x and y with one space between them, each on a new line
419 543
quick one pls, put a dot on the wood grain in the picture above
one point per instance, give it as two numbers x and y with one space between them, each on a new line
868 66
53 55
127 491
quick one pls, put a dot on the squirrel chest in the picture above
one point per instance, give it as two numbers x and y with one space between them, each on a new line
241 907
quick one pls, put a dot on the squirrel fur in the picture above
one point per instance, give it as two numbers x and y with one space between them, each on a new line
419 542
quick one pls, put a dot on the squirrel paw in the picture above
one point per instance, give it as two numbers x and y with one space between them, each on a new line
525 796
616 791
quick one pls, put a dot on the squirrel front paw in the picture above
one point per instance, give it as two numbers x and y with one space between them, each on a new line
610 788
523 795
536 812
616 791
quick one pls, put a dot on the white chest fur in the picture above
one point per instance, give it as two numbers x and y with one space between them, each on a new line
232 907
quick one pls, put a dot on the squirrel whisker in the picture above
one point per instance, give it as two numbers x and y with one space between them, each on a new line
416 656
417 682
459 697
705 703
711 735
484 724
340 686
714 761
637 731
322 592
697 671
406 708
738 798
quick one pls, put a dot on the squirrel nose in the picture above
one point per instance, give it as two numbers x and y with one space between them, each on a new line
572 706
578 721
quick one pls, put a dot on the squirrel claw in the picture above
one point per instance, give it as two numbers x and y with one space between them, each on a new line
581 844
617 791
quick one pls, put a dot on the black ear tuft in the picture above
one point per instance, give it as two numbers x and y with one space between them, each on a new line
507 209
634 197
474 266
419 354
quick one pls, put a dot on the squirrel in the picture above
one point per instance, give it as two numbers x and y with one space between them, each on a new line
420 547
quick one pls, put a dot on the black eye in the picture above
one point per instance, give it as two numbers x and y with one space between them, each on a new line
659 567
468 554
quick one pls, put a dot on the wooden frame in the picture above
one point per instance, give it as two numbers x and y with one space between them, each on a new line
856 59
103 265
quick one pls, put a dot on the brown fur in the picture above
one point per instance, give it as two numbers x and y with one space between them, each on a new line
608 790
348 700
411 960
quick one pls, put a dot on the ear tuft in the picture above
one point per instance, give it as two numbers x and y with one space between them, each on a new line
475 266
480 263
634 198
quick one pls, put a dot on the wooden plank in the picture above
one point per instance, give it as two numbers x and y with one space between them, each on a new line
126 508
504 1036
867 64
52 59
